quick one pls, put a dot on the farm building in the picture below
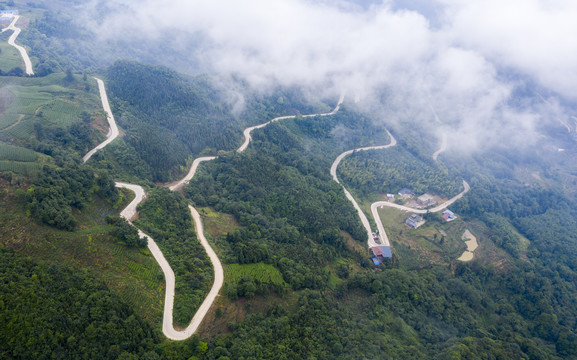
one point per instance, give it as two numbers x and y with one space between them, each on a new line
426 200
406 193
381 252
414 221
448 215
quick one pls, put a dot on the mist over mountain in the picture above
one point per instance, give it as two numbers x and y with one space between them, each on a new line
446 65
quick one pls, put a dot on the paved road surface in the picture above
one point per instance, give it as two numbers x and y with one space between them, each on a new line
247 131
362 216
113 132
178 185
438 208
442 148
21 49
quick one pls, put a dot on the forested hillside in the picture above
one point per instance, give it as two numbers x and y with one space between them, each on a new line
78 282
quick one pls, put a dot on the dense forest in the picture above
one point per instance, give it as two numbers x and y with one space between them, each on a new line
51 312
166 218
364 172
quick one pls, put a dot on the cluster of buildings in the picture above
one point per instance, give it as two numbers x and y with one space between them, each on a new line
414 221
421 202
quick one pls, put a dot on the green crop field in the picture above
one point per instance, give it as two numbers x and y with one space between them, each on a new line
61 113
24 168
16 153
264 273
9 56
49 99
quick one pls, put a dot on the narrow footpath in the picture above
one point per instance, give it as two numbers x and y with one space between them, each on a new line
21 49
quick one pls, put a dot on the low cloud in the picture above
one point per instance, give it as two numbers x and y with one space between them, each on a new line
447 60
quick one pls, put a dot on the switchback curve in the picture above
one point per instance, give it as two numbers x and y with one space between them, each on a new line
130 211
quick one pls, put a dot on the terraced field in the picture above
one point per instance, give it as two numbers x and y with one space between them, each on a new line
18 160
39 99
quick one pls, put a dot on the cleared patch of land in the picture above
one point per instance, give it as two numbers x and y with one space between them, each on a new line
471 242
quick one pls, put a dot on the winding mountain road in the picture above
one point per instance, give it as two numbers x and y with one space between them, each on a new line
362 215
21 49
130 211
170 279
113 132
247 131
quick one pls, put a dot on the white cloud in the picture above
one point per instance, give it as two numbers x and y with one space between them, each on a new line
455 66
532 36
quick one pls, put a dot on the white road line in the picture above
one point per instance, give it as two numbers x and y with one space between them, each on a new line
22 50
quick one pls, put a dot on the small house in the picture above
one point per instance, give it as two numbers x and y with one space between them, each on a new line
414 221
391 196
426 200
381 252
448 215
405 193
377 250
